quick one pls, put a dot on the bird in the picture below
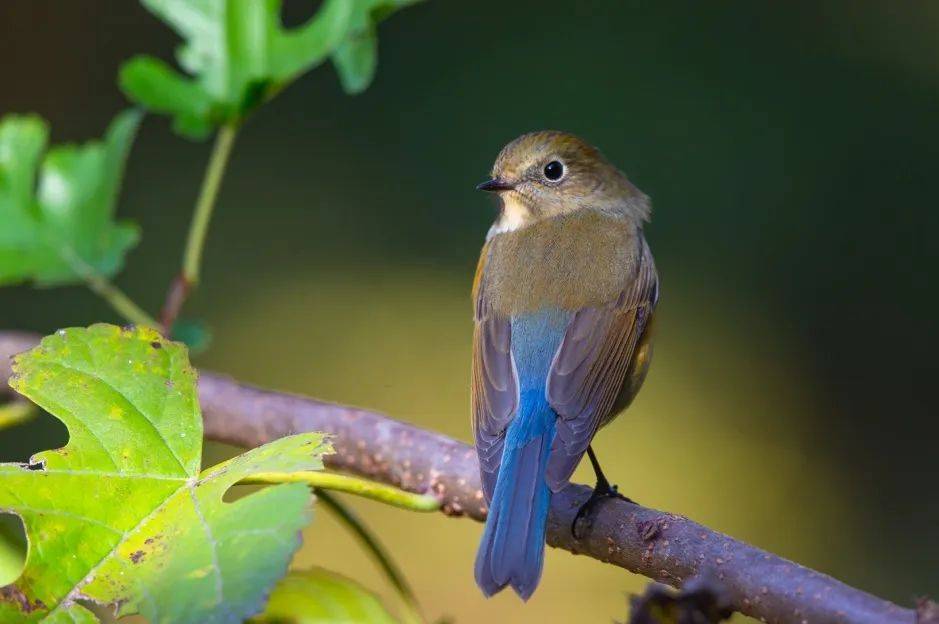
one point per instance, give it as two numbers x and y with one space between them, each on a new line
564 296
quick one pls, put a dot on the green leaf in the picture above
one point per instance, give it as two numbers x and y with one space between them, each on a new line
65 228
122 514
237 55
154 84
318 596
356 59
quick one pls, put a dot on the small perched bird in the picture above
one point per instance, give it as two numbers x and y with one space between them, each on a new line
564 294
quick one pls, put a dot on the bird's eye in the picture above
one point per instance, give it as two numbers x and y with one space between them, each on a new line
553 170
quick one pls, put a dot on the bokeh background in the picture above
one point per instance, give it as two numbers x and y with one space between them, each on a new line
790 150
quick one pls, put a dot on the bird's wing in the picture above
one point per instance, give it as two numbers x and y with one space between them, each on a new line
494 395
591 364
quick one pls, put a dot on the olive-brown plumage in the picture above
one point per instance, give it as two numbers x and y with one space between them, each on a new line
564 291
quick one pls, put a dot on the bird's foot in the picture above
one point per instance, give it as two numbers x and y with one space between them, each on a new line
601 491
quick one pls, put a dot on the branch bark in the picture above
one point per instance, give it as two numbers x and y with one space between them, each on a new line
662 546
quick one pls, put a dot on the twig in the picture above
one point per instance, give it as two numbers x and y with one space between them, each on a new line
199 227
176 296
379 554
662 546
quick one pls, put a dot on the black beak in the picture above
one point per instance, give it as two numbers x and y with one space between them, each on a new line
495 185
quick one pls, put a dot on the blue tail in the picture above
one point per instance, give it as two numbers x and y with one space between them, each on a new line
512 548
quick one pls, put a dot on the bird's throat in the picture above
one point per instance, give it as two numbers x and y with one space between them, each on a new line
514 216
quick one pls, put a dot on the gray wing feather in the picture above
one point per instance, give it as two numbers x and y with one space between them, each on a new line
590 366
494 394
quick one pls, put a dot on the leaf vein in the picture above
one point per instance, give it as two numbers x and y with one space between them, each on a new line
213 544
72 595
136 409
67 514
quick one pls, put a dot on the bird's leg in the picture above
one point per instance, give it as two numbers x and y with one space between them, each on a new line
601 490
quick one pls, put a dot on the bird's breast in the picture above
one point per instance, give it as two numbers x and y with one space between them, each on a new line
569 262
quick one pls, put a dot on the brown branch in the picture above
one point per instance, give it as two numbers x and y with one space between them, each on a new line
662 546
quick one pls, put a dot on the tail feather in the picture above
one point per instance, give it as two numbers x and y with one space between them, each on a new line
512 547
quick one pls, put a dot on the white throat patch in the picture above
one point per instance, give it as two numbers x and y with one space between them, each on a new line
515 215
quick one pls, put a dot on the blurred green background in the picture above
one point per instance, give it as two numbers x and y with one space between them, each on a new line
790 150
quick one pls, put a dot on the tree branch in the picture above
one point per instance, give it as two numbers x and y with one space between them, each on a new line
662 546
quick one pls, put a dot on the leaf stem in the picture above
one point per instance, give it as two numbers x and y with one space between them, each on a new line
202 215
353 485
104 288
119 301
368 541
188 278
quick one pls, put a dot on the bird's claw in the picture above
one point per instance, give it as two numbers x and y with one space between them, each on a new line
600 492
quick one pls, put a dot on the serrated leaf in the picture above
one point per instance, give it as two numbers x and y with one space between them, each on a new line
122 514
318 596
237 54
357 57
54 233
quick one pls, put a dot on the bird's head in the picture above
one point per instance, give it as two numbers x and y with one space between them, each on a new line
544 174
